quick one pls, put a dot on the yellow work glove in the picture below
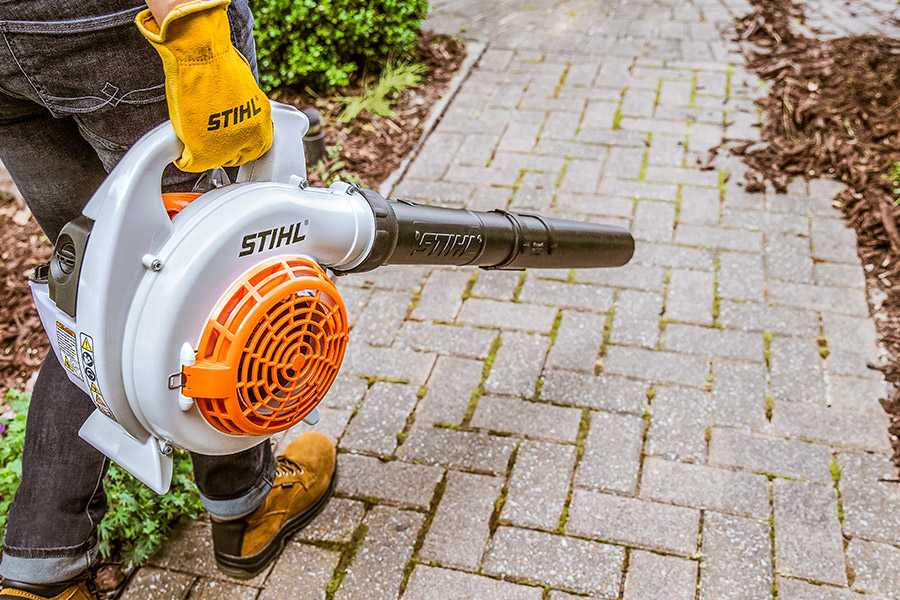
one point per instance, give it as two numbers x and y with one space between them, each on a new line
215 104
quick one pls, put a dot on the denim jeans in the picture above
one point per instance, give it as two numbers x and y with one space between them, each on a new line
78 86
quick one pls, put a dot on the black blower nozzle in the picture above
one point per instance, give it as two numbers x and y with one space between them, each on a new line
412 234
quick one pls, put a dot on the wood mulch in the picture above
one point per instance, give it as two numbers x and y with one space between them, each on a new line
833 110
366 150
22 246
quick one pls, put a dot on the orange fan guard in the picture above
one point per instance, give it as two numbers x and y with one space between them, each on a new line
271 350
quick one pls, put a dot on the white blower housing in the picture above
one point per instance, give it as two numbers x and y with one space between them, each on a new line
216 327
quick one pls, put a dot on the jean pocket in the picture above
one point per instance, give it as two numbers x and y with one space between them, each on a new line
87 64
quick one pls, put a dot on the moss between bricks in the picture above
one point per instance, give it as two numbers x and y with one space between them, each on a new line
494 521
617 118
413 303
679 199
517 292
692 100
584 427
485 372
667 280
423 531
349 553
607 327
659 85
769 407
645 159
723 179
717 298
470 284
729 74
562 80
772 537
767 348
836 473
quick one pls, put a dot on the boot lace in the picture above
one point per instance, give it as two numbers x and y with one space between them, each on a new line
285 467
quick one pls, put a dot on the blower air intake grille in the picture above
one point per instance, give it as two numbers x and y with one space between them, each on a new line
271 350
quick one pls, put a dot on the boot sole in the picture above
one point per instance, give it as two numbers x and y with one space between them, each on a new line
249 567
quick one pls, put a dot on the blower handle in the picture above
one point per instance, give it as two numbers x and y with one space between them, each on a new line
412 234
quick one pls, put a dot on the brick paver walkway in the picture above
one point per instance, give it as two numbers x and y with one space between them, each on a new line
700 425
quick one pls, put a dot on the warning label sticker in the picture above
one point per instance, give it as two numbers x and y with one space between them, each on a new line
68 347
86 349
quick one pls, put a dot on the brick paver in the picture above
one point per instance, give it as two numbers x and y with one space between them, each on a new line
700 424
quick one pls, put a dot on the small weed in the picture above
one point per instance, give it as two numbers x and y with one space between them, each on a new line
394 80
770 407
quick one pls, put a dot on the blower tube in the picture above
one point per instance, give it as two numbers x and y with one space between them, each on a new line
412 234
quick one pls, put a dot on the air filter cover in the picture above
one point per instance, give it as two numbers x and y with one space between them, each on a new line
270 350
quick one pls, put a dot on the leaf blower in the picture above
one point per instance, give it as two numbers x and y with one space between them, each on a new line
213 324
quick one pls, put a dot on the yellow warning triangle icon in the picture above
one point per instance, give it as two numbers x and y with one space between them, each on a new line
86 345
94 388
66 363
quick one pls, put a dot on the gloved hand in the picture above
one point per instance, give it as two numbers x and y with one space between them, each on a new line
215 104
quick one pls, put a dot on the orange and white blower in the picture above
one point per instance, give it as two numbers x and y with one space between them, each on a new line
213 324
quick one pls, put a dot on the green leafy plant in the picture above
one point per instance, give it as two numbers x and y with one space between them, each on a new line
137 520
377 99
12 440
322 43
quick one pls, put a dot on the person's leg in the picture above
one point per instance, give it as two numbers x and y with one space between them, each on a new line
58 148
50 531
234 486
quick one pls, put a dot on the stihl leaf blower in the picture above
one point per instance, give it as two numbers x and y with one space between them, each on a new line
213 327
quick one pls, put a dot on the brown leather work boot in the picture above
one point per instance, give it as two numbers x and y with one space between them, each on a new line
69 590
304 482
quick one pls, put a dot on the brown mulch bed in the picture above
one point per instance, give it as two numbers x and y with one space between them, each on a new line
366 150
371 147
833 110
22 340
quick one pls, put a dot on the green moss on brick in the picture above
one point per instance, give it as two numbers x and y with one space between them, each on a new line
485 373
767 348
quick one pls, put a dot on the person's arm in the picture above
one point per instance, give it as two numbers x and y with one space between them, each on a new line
160 8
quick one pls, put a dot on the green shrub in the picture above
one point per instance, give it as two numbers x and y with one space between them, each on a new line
137 521
321 43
